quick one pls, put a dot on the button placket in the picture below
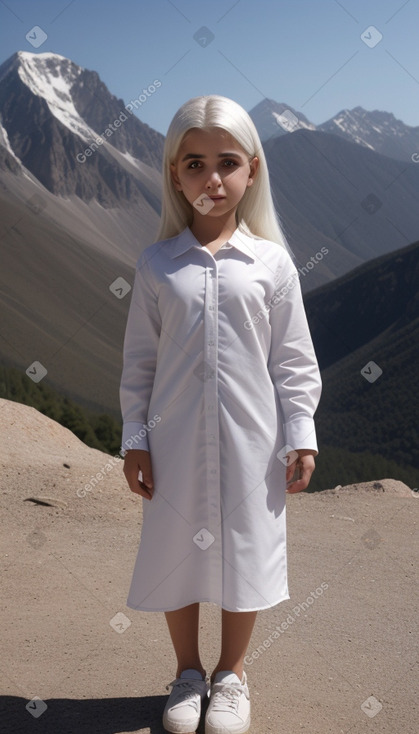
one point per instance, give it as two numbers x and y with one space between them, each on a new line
211 401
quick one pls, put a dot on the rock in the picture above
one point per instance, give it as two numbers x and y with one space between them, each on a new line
48 501
381 486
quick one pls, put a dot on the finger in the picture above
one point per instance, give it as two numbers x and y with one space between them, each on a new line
296 486
146 492
303 481
291 470
135 484
147 476
140 488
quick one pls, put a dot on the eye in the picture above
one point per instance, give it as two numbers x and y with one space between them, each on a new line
230 163
194 164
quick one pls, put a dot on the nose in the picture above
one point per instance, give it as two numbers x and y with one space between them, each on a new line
213 180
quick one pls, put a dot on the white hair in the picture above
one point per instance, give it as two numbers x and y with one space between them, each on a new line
255 213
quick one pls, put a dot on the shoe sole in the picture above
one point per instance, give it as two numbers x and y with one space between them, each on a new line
179 728
220 729
184 728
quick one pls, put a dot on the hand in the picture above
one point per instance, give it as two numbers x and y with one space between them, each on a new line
137 460
304 465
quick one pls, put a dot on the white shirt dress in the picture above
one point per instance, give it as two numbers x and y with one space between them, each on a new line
220 380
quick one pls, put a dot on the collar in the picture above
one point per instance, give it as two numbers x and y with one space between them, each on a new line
185 240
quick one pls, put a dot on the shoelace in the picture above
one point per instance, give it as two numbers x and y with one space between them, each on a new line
180 686
225 695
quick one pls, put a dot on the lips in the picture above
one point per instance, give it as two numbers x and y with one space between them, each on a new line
216 198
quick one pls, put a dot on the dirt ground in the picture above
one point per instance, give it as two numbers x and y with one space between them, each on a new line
339 657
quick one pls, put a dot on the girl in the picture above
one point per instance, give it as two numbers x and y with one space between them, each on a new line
218 391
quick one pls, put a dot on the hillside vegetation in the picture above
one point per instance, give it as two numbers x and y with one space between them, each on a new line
334 465
100 431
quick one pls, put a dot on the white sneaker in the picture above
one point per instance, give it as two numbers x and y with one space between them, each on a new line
183 708
229 706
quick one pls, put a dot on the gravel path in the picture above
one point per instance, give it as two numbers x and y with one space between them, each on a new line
339 657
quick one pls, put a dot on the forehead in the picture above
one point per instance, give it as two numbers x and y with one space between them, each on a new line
215 138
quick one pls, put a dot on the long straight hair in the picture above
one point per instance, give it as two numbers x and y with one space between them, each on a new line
255 213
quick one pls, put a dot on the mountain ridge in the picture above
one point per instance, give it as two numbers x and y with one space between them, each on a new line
62 253
377 130
56 122
365 327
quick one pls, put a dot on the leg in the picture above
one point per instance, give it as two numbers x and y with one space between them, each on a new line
183 627
237 630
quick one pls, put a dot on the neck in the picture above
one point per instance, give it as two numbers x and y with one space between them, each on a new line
210 229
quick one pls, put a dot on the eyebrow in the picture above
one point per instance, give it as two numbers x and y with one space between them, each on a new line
199 155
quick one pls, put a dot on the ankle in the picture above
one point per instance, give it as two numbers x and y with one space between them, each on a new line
198 667
237 669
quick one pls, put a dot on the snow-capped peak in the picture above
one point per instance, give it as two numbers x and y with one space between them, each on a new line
349 125
290 122
24 55
51 77
277 118
375 129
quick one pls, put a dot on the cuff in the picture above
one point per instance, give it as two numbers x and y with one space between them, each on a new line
134 436
300 433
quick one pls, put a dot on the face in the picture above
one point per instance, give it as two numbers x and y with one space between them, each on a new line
213 163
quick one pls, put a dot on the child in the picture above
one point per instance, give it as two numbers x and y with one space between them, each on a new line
218 391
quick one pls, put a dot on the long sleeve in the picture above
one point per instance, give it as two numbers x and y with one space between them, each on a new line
292 361
139 358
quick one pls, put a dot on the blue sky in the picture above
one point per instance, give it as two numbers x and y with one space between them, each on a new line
306 53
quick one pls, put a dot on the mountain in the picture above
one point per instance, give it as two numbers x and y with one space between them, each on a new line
379 131
365 327
376 130
276 118
380 296
72 228
57 306
53 111
330 193
94 168
101 186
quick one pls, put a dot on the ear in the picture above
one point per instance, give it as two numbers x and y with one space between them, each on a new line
254 166
175 179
